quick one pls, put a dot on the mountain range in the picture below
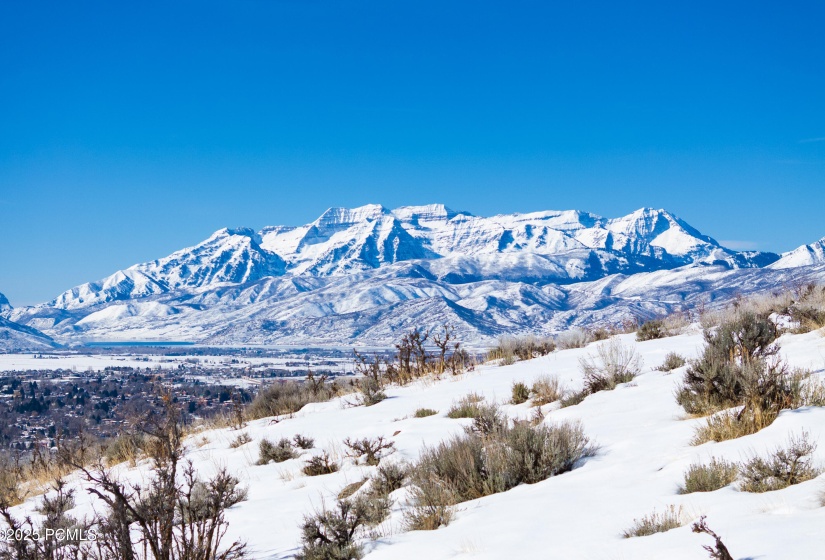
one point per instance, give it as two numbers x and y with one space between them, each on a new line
361 275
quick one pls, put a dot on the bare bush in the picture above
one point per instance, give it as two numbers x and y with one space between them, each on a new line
613 364
320 465
717 552
388 478
303 442
573 398
784 467
373 450
239 440
333 534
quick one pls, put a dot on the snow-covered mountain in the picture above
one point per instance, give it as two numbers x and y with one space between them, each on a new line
14 336
806 255
360 275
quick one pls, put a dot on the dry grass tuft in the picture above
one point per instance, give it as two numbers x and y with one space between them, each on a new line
671 518
545 390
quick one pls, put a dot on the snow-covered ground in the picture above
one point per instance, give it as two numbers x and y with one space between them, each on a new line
97 362
644 450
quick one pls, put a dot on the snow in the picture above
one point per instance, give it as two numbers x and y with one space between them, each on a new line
100 361
643 438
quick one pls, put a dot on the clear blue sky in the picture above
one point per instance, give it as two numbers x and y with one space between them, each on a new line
131 129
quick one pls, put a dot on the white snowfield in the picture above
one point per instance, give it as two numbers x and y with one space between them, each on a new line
643 438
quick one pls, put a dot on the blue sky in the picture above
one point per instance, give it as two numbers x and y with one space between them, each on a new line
129 130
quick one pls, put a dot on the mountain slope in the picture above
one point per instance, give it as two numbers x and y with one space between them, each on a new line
16 337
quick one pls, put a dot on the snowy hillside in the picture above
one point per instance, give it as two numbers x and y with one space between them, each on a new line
644 449
359 275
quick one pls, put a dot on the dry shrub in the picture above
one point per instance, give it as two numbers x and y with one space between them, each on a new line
811 390
424 412
509 349
599 334
717 474
803 304
289 397
240 439
303 442
332 534
675 323
671 518
476 465
545 390
573 398
350 489
388 478
320 465
672 361
651 330
739 368
784 467
735 357
430 511
372 391
467 406
171 511
520 393
11 477
613 364
373 450
277 453
732 424
574 338
125 448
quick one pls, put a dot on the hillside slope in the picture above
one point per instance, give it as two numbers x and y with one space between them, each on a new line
644 449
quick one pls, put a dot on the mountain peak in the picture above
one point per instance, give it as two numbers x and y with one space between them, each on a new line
428 212
4 303
806 255
337 216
